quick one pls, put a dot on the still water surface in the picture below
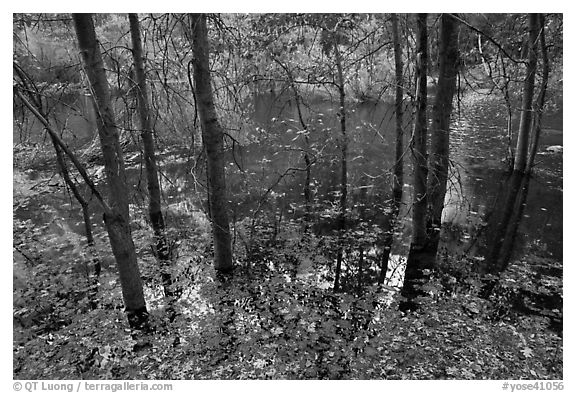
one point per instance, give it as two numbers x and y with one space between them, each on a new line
478 182
271 159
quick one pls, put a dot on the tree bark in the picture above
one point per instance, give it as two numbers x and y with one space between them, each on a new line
398 169
399 112
154 194
418 260
117 221
506 222
521 155
343 157
213 138
508 102
419 149
541 100
440 135
343 137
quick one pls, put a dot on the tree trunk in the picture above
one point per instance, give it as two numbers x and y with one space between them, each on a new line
399 112
527 97
343 160
517 213
419 149
117 221
213 138
83 204
95 261
360 270
539 107
154 194
307 183
506 92
338 270
502 238
418 261
504 218
343 136
440 136
60 159
36 109
398 170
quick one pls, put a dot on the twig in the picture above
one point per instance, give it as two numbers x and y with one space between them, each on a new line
68 152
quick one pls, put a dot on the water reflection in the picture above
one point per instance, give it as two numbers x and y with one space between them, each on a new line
478 174
271 155
480 184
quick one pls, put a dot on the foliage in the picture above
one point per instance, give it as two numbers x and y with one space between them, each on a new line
264 324
277 316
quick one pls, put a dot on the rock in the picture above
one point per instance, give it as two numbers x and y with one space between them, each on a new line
555 149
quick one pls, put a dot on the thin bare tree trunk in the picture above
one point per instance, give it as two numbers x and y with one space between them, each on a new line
398 170
213 138
154 195
399 112
417 262
35 107
117 221
55 138
307 186
343 138
521 155
419 149
440 135
343 159
95 261
506 90
61 160
487 68
513 205
541 100
83 204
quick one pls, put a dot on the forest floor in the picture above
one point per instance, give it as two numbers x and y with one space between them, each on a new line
266 327
267 321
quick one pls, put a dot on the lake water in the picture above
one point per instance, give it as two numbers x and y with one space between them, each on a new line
478 180
269 161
